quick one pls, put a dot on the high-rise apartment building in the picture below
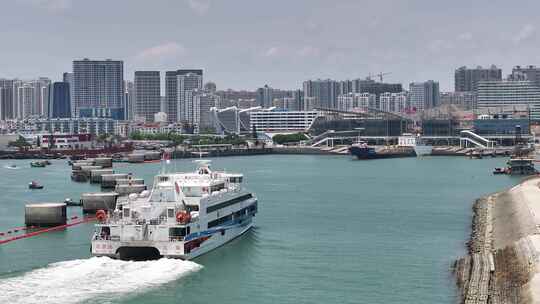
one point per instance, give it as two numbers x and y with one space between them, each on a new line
98 88
26 100
6 99
60 101
424 95
465 100
530 72
324 92
508 94
129 100
356 101
465 79
393 102
265 96
186 85
68 78
202 103
171 91
147 94
374 87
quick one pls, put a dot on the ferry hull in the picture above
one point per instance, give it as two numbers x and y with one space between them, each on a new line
175 250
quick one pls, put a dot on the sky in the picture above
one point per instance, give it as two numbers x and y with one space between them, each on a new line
245 44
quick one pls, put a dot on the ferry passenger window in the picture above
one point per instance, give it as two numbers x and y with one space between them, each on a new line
177 233
163 195
170 212
217 187
126 212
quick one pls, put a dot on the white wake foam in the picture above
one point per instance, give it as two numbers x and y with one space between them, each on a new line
80 280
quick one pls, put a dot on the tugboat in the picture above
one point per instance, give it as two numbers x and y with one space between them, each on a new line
185 215
34 185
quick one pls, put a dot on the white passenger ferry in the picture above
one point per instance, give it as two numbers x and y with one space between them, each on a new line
183 216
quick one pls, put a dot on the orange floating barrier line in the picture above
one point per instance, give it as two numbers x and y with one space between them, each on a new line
38 232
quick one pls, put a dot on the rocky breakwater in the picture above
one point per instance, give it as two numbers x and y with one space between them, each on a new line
503 261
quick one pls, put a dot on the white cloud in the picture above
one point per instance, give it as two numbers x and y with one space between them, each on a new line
308 51
50 5
201 7
524 33
162 52
273 52
467 36
440 45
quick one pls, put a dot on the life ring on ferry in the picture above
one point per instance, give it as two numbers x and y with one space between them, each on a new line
183 217
101 215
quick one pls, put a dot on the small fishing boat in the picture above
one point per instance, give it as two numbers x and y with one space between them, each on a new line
38 164
34 185
500 171
12 167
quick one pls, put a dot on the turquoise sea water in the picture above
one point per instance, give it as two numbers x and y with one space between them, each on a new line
329 230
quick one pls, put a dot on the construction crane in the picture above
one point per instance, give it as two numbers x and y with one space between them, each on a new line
380 75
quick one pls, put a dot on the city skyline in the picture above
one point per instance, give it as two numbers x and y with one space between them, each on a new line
281 46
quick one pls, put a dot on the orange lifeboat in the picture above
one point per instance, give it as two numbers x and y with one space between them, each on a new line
101 215
183 217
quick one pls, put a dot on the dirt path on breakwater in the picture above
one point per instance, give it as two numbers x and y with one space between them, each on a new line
502 265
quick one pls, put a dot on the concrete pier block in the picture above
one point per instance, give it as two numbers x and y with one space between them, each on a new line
132 181
86 169
79 176
78 164
109 180
95 175
105 162
92 202
128 189
45 214
136 158
153 155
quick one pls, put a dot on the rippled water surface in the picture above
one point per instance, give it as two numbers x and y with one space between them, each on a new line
329 230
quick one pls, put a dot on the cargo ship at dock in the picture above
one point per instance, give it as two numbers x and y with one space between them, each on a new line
362 151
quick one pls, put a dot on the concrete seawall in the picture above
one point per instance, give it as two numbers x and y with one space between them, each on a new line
503 261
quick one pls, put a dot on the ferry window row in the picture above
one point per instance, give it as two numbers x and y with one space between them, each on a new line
235 179
228 203
240 213
220 221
